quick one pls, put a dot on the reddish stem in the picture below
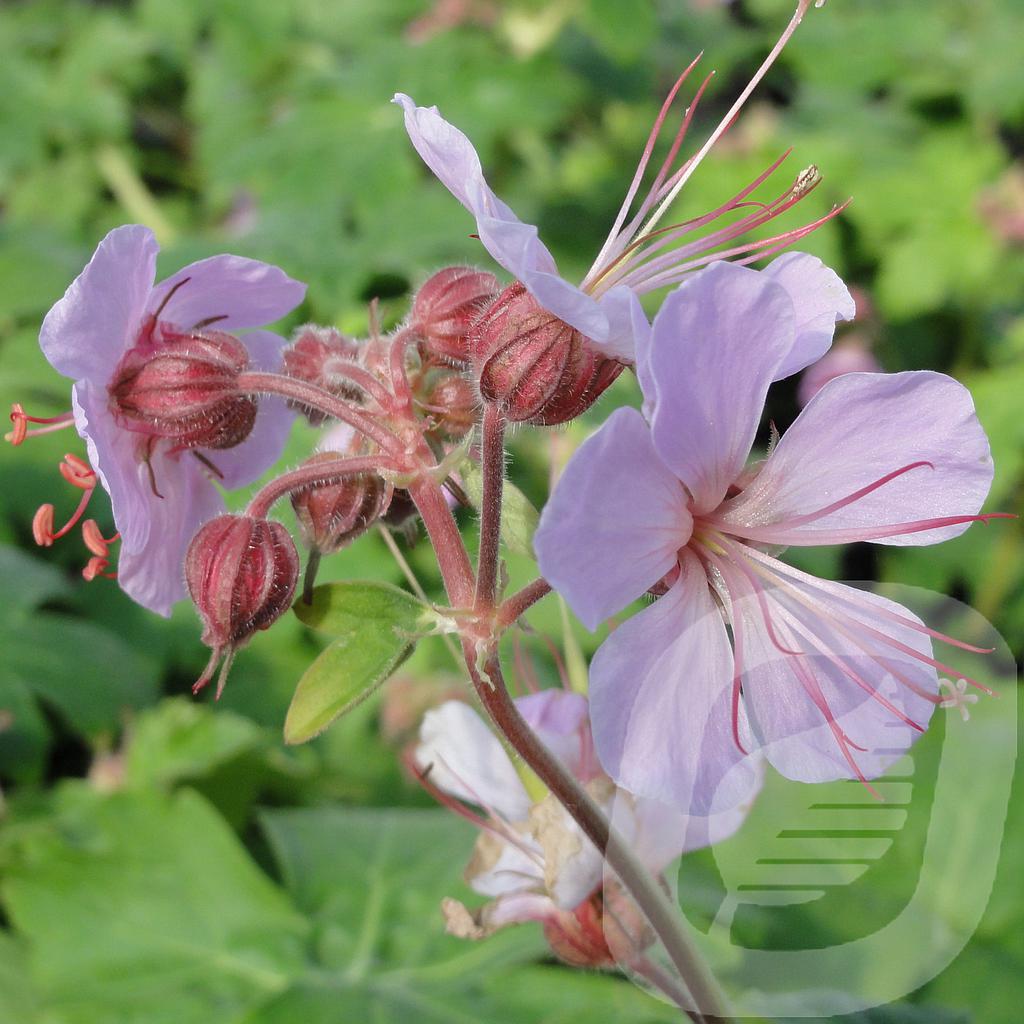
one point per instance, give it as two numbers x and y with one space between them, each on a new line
492 465
512 607
310 474
323 401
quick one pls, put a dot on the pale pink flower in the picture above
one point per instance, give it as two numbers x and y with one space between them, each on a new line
160 495
742 651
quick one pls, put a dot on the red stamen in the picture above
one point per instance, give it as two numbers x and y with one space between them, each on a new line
96 567
42 521
21 419
94 539
78 472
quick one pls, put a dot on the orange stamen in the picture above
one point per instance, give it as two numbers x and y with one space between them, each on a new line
78 472
21 420
96 567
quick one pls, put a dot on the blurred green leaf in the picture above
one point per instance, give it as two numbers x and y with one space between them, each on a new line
19 1003
518 516
144 908
345 866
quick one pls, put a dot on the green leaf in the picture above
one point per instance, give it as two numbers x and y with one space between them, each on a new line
376 625
373 880
19 1003
144 908
518 516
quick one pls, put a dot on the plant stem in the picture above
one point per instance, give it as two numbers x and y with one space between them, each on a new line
323 401
310 475
309 580
492 465
521 601
708 1001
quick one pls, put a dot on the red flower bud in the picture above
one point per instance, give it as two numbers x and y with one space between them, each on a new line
333 514
452 405
313 357
241 574
533 366
446 306
185 388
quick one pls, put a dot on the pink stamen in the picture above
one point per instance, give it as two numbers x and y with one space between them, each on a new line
77 472
822 648
865 605
642 166
773 566
811 538
726 122
42 522
21 419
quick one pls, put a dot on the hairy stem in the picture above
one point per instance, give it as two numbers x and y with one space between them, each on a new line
492 465
311 475
521 601
662 915
323 401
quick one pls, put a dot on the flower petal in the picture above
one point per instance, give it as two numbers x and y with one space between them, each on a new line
559 718
499 868
113 455
628 326
715 347
841 706
820 299
858 429
660 703
249 460
616 519
154 574
85 334
239 292
469 761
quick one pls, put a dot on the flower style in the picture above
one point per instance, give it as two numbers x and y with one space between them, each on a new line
638 255
828 681
531 858
160 489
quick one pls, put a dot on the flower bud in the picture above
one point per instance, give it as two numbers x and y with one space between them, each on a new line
453 405
313 357
333 514
241 574
185 389
533 366
446 306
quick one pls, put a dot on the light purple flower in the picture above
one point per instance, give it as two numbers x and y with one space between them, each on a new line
640 255
86 335
532 860
829 682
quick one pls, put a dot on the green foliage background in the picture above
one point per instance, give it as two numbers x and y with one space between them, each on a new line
161 860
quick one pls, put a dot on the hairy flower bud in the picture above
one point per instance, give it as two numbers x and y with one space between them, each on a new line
333 514
445 308
453 405
185 388
241 574
533 366
313 356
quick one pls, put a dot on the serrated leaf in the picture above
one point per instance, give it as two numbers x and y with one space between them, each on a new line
376 625
518 516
